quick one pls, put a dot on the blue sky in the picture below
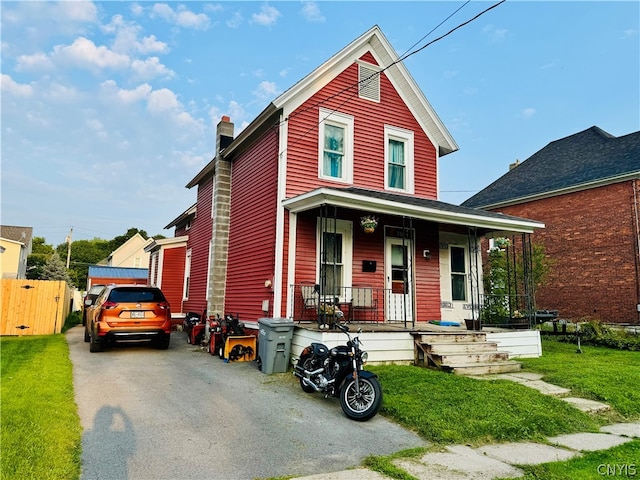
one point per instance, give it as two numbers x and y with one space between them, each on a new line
109 108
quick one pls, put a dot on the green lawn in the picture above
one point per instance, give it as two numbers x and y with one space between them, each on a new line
41 432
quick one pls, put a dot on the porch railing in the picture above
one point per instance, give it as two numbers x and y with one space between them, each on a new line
358 303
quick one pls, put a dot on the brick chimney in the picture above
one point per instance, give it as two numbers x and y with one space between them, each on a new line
224 134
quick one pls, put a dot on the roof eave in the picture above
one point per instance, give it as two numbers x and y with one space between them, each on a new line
322 196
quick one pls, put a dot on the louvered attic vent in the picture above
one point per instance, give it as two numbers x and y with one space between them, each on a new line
369 83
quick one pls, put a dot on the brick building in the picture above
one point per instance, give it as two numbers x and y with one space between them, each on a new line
585 188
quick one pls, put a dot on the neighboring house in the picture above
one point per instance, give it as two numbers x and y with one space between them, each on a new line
131 253
16 244
586 190
104 275
278 209
168 258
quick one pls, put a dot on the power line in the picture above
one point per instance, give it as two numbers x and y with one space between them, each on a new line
399 60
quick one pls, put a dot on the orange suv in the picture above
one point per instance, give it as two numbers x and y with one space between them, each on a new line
128 313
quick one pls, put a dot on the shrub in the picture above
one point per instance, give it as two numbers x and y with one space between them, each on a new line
73 319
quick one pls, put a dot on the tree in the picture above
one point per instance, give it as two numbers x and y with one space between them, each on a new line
55 269
40 253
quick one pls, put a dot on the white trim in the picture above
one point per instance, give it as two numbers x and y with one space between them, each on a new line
406 136
340 198
280 215
291 265
330 117
187 275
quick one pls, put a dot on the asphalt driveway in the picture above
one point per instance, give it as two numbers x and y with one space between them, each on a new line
183 414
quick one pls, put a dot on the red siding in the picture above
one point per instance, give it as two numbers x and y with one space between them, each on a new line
590 235
173 276
370 119
252 228
198 243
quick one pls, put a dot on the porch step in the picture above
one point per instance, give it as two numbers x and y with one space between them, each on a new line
462 359
487 368
463 353
461 347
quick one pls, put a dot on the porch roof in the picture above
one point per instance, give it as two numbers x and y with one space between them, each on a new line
410 206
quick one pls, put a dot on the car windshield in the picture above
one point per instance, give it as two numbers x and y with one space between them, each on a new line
136 295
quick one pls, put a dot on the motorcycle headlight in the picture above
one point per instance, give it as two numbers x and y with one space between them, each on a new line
364 356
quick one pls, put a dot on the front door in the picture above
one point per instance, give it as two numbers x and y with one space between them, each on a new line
399 280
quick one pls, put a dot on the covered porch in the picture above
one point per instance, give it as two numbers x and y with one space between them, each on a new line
422 262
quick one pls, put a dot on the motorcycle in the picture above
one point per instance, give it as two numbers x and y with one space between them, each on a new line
339 372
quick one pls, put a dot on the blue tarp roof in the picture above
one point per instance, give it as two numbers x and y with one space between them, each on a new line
98 271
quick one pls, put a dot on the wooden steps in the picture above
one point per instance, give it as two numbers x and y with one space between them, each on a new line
461 352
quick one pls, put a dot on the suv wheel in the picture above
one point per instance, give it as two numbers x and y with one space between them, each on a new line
95 345
163 342
87 337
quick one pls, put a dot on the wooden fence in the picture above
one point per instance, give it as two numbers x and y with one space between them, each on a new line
33 307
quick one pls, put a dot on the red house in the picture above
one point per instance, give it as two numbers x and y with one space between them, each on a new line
278 229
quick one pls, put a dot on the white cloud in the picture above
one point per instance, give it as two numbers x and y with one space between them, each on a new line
150 68
9 86
141 92
126 37
266 90
181 17
84 53
37 61
496 35
528 113
312 13
79 11
161 101
235 21
267 16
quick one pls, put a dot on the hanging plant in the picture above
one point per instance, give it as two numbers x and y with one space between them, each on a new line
502 243
369 223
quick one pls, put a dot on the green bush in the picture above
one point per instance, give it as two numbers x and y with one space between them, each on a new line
598 334
73 319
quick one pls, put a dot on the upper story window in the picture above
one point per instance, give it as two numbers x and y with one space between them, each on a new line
398 153
335 152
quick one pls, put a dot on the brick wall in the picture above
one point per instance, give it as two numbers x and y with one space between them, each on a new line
591 237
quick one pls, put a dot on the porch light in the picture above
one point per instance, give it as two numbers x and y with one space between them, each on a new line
426 254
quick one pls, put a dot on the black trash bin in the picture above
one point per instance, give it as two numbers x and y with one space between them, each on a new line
274 344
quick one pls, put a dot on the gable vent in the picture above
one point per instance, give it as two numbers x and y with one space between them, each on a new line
369 83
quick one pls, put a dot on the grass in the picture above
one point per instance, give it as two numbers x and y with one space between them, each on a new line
602 374
447 409
41 433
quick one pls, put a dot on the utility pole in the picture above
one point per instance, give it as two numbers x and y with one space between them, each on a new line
68 240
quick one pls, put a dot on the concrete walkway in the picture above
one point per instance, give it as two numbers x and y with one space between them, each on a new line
460 462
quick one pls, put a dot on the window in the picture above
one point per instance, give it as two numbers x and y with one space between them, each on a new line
335 146
458 274
332 267
334 257
399 159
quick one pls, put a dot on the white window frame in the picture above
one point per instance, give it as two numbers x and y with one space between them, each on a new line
465 274
407 137
187 276
345 228
329 117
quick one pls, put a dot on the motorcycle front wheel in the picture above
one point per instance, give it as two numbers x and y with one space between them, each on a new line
363 405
